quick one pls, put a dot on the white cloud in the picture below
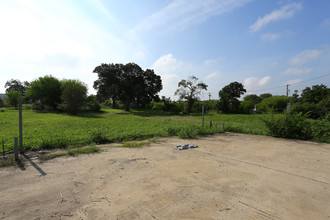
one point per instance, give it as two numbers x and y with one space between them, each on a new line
285 12
213 61
305 56
168 68
36 41
270 37
274 64
253 83
180 14
297 71
166 64
292 82
211 76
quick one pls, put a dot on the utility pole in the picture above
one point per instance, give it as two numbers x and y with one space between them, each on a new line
287 90
209 96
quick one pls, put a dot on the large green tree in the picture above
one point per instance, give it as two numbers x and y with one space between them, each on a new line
45 89
314 102
108 82
190 90
16 85
229 95
127 83
74 94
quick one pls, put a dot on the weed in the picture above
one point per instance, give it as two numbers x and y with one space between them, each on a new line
73 152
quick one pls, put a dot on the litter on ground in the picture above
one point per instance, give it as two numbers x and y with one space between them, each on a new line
184 147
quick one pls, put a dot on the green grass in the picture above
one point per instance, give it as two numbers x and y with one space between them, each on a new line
49 130
73 152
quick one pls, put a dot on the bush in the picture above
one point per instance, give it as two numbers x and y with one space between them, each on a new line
292 126
275 104
92 104
313 110
246 107
320 129
73 96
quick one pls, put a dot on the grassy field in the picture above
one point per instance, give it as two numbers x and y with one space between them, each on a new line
56 130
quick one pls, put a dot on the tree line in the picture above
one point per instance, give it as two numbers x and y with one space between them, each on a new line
127 85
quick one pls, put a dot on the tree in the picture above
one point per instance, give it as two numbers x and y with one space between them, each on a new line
252 98
275 104
13 98
16 85
315 94
108 82
314 102
45 89
265 95
190 90
127 83
74 94
229 95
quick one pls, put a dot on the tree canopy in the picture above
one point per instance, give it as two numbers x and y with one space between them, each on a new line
229 95
13 98
47 90
74 95
190 90
16 85
127 83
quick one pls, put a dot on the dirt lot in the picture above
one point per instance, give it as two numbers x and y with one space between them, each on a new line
230 176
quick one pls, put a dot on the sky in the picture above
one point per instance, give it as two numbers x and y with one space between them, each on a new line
265 45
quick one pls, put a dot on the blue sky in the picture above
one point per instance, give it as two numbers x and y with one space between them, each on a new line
262 44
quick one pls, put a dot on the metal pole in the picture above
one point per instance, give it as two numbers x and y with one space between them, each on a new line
20 127
16 148
202 116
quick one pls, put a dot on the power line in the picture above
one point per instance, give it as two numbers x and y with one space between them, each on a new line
292 84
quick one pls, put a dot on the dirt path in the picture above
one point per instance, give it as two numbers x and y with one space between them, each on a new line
230 176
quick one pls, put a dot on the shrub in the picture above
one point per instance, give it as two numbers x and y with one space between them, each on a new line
73 96
289 126
320 129
275 104
92 104
246 107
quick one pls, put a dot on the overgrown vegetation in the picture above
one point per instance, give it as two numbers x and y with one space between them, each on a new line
296 126
50 130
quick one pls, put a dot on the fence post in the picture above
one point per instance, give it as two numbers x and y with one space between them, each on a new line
202 116
20 127
16 148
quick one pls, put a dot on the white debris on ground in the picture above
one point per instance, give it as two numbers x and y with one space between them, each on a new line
184 147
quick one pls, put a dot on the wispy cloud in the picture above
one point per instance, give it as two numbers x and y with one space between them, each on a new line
292 82
285 12
270 37
297 71
253 83
213 75
213 61
180 14
326 23
305 56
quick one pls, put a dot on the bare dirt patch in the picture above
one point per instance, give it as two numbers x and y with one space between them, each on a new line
230 176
